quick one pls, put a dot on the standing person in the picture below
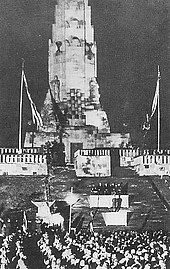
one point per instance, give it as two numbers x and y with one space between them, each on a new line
114 202
1 234
1 225
4 229
118 203
8 227
91 222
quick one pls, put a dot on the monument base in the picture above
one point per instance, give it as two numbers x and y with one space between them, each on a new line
115 218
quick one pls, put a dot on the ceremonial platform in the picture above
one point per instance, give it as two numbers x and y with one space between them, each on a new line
106 201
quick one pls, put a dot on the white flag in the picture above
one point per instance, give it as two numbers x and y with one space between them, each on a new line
36 117
155 100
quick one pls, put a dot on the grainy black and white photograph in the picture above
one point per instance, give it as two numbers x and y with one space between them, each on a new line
84 140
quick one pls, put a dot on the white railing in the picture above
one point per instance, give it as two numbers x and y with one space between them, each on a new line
22 158
94 152
138 152
16 150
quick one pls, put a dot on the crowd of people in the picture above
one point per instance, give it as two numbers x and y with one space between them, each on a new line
56 249
109 188
37 245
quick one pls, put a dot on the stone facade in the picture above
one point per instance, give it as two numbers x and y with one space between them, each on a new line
72 69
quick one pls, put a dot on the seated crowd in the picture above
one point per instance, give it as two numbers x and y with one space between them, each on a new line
109 188
56 249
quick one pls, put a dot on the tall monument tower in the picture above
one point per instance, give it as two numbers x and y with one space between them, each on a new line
72 50
72 70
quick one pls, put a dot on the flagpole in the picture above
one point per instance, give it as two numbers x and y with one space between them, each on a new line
20 110
69 229
158 111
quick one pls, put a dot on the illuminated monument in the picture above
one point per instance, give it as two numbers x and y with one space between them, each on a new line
72 69
72 66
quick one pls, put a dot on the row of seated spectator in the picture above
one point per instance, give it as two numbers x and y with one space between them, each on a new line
53 249
109 188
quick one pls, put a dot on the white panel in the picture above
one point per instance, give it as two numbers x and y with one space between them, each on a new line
115 218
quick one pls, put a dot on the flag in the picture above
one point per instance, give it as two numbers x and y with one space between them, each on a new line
156 97
24 224
58 114
78 223
36 117
146 125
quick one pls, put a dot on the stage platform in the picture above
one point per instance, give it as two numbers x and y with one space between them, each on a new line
102 201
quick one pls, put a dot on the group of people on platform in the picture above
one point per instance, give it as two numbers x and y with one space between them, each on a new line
56 249
109 188
116 203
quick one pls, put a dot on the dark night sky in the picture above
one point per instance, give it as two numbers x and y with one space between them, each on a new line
133 37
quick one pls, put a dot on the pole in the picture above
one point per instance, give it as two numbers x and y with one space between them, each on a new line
158 124
61 134
69 229
20 110
158 112
32 139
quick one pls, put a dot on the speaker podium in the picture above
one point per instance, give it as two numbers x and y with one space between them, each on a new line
115 218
